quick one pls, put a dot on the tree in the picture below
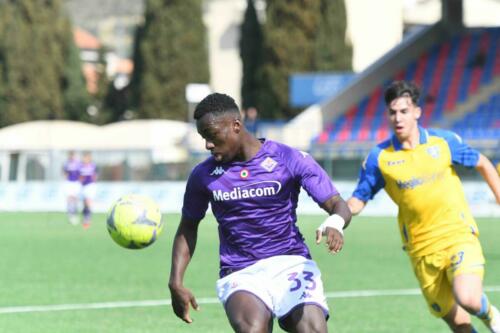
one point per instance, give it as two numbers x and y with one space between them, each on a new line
289 40
172 52
251 44
133 88
299 36
35 46
74 91
332 53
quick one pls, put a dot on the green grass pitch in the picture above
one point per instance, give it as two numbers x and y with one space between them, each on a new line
47 262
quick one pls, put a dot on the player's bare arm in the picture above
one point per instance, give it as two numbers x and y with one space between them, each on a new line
183 250
339 218
355 205
490 175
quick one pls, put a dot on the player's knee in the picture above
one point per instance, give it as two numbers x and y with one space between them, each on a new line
305 319
315 326
469 301
246 326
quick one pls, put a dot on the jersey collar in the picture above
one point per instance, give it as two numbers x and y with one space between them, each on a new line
424 135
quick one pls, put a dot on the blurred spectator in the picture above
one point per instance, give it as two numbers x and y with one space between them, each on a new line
478 60
251 120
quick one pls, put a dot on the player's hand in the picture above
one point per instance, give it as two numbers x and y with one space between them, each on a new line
181 299
333 238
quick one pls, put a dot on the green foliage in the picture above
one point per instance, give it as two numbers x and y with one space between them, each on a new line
289 35
101 98
299 36
332 53
172 52
35 62
136 77
251 44
116 102
75 96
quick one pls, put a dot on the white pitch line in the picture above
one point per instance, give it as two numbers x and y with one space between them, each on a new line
388 292
209 300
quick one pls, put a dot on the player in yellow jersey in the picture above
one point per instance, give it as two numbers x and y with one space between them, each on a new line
416 168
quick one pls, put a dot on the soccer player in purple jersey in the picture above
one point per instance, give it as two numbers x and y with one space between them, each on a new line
72 186
88 177
253 187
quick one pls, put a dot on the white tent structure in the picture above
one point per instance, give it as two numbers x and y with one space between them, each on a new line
47 135
45 144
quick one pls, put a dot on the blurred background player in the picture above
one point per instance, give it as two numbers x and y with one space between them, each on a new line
253 186
72 186
416 168
88 177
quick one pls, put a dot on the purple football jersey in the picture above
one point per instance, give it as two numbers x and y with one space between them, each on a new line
88 173
254 202
72 170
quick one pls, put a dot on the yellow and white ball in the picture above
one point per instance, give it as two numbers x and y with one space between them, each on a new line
134 221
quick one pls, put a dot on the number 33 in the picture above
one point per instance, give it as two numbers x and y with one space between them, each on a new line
307 277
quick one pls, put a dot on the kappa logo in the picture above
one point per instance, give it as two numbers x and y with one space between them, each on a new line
218 171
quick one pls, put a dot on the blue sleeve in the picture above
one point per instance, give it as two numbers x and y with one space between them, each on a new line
195 198
461 153
370 177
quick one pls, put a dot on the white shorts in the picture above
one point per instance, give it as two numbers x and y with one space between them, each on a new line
72 189
281 282
89 191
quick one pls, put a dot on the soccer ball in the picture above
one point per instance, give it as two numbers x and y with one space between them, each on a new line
134 221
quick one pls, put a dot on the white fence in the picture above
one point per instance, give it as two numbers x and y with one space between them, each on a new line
49 196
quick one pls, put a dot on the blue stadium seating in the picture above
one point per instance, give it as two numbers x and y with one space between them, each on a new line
449 73
482 123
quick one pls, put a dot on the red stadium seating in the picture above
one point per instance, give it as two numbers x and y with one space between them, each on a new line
449 73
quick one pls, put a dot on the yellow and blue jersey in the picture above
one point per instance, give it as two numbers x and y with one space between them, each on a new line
433 212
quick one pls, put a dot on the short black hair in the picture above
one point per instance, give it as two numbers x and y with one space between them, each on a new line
216 103
400 88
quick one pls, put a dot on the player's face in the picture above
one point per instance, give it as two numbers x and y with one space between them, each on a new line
221 135
87 158
403 116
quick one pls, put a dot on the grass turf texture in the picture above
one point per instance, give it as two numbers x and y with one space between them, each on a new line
46 261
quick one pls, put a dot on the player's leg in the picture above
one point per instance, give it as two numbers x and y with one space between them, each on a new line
466 273
468 292
489 315
246 298
459 320
247 313
305 318
88 196
87 212
431 273
72 209
72 190
298 295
